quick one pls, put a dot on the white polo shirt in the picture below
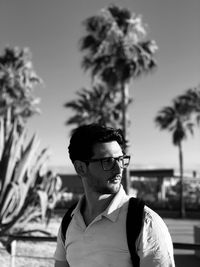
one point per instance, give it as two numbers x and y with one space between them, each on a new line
103 242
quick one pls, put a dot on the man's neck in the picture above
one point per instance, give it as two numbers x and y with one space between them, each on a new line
94 205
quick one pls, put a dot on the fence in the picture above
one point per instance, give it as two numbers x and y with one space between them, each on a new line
14 239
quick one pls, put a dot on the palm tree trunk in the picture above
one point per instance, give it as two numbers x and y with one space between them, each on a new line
124 109
125 98
8 122
182 204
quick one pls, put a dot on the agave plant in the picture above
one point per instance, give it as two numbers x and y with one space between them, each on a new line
27 188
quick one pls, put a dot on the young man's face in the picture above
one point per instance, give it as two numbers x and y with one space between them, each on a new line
100 180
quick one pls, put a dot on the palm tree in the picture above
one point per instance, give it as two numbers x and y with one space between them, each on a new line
17 82
176 119
116 50
98 105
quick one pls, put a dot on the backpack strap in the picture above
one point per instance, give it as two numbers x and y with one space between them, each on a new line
134 222
66 221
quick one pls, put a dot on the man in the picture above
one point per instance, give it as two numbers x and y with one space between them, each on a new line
96 235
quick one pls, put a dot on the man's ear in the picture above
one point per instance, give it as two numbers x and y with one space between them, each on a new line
80 167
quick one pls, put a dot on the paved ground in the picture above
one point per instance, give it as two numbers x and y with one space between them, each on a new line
182 231
187 260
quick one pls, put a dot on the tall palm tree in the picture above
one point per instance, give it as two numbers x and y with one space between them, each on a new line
98 105
116 48
17 82
176 119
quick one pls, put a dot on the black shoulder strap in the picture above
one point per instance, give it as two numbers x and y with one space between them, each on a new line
134 222
65 222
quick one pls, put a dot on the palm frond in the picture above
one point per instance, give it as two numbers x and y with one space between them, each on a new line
165 117
121 16
98 105
176 119
17 81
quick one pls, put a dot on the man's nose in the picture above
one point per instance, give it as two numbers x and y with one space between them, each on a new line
118 165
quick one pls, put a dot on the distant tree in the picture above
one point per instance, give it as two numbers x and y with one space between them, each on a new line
176 119
98 105
191 100
17 82
116 49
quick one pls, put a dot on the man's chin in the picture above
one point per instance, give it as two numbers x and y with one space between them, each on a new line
112 188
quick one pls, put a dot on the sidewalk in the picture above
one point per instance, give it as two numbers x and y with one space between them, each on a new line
186 260
182 231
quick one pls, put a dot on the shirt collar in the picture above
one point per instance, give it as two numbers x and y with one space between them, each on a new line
112 211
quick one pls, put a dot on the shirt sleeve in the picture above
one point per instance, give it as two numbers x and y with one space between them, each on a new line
60 252
155 247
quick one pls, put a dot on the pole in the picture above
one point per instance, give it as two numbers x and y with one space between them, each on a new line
13 253
182 203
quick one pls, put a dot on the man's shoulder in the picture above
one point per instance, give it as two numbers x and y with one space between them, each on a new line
153 220
150 214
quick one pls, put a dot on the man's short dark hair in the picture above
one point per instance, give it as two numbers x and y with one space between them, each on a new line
85 137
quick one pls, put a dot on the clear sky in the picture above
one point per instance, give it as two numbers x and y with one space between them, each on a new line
52 30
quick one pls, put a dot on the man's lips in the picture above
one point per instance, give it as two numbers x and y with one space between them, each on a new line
115 178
